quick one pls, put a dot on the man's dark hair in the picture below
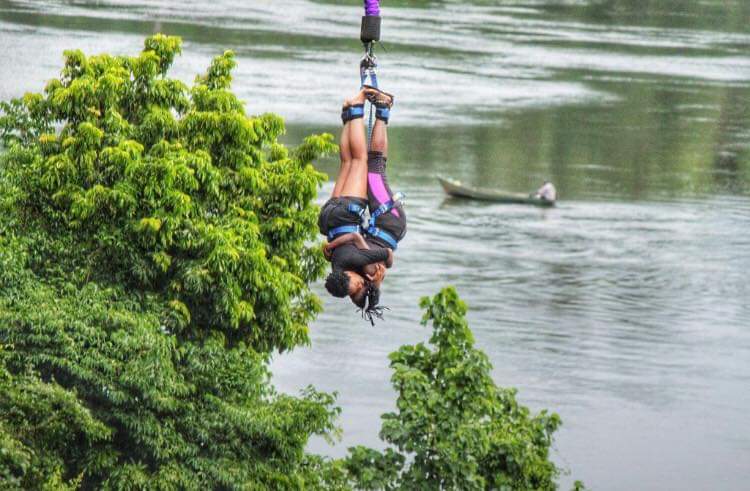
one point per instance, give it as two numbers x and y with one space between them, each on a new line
337 283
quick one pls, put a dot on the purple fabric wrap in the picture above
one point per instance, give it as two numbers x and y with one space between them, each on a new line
372 7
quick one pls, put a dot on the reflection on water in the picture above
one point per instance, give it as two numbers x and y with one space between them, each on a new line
625 308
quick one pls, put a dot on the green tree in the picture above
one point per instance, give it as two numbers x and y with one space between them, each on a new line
454 428
156 245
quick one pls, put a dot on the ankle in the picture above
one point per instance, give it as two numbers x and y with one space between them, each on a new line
355 111
357 99
383 114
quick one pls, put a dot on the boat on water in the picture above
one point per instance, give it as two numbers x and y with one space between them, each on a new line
459 190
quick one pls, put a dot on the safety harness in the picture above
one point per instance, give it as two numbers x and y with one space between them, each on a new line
369 34
369 227
367 70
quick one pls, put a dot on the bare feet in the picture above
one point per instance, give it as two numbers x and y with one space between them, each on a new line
377 97
355 100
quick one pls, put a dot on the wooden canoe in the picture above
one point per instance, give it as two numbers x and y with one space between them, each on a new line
455 188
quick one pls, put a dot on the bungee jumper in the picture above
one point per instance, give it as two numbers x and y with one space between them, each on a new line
360 248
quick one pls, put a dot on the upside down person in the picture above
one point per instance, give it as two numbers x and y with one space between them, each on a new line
359 256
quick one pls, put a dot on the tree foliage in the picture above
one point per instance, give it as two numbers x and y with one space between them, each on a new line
454 428
145 183
156 246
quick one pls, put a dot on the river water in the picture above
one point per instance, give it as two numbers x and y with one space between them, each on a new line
624 309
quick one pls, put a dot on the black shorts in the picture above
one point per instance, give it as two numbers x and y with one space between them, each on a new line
378 192
335 213
394 225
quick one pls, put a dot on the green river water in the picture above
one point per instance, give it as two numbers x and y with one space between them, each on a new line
624 309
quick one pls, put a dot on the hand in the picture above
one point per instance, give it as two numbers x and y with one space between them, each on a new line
378 275
360 242
327 251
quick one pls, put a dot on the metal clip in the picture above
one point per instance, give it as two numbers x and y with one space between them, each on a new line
399 199
369 61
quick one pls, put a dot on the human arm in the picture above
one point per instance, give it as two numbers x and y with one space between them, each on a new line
389 261
359 242
327 253
348 257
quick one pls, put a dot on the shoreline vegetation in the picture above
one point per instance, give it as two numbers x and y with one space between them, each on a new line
157 246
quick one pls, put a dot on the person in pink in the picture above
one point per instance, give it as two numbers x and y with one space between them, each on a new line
359 254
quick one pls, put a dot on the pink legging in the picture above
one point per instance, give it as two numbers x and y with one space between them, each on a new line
378 191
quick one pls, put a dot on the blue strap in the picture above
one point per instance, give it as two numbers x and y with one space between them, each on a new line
352 207
363 74
356 208
374 231
383 113
344 229
356 111
386 207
